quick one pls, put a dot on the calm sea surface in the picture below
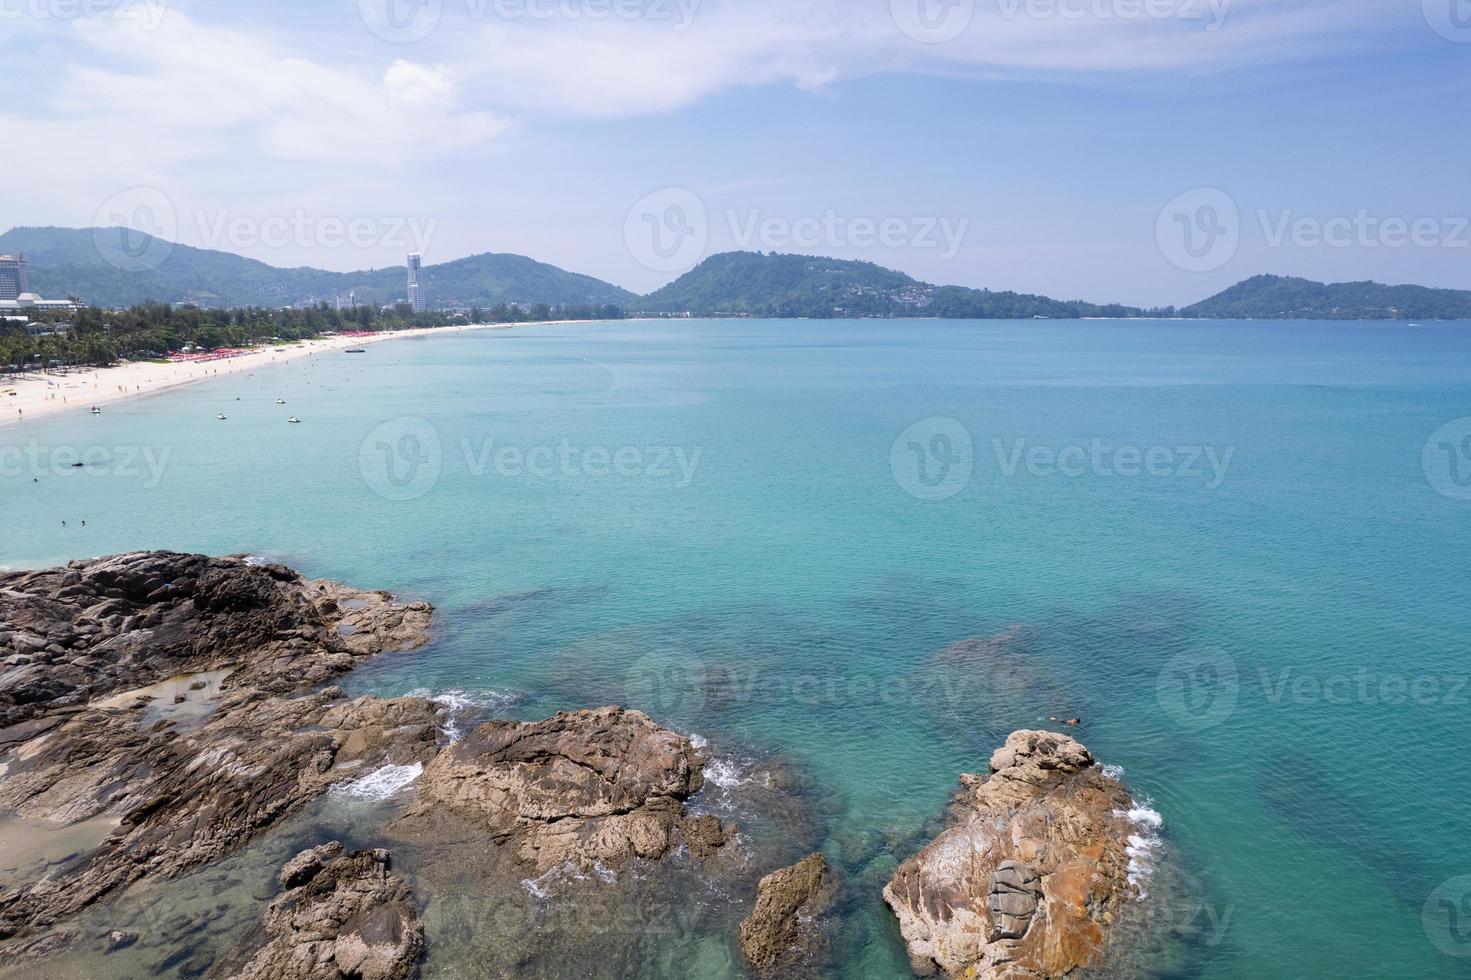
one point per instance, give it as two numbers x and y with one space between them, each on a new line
1236 550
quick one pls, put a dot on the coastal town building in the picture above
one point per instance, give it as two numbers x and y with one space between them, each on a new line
30 301
416 289
13 281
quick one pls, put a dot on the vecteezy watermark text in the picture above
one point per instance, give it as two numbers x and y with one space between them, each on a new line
403 459
755 230
148 14
934 459
1201 688
669 230
672 463
1202 463
407 21
941 21
302 229
1201 230
36 461
136 228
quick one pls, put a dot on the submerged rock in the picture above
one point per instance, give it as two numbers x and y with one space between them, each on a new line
979 689
783 931
590 788
1031 873
341 916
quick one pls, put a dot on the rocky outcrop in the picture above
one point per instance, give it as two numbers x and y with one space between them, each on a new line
182 801
92 628
597 787
783 931
183 777
339 917
1031 872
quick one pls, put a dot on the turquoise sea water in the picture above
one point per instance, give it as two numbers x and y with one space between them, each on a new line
1223 544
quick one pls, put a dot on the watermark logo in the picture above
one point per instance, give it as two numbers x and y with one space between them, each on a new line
1198 689
1206 464
147 14
401 21
401 459
1200 230
1446 459
756 230
1446 917
1451 19
1363 230
404 458
668 230
933 458
662 685
302 229
407 21
671 465
933 21
1211 12
134 230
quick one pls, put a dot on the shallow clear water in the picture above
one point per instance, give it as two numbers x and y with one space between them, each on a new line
1260 616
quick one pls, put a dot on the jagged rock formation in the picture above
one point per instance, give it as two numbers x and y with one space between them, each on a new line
339 917
783 931
598 787
73 634
178 778
1031 872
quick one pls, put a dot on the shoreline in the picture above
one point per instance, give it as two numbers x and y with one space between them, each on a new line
45 395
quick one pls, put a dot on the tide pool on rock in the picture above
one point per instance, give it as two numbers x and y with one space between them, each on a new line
1246 653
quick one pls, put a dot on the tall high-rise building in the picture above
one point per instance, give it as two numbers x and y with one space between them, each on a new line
13 276
416 289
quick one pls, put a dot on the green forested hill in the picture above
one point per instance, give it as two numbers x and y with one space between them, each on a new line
105 269
1284 298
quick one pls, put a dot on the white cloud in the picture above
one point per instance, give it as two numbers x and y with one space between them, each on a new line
186 81
419 86
622 67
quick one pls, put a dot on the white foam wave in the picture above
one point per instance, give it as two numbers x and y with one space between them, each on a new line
725 773
460 703
1113 772
539 888
383 783
1144 845
699 741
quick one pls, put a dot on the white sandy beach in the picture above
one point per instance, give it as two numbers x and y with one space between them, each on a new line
37 396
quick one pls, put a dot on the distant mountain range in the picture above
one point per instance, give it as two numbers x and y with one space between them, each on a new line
1286 298
756 284
102 268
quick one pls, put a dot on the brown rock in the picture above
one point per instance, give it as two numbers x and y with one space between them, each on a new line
342 917
782 930
1030 872
131 620
605 785
80 740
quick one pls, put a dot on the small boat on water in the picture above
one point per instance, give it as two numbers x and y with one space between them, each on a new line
356 350
280 401
221 416
294 420
96 410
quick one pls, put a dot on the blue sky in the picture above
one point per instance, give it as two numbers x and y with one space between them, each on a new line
1141 151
